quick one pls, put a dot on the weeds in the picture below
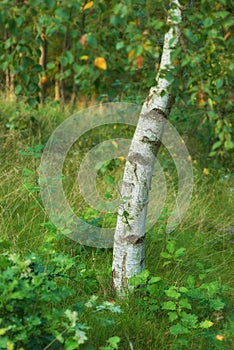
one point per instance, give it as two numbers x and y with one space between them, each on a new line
183 300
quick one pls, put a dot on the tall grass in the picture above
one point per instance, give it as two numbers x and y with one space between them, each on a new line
206 232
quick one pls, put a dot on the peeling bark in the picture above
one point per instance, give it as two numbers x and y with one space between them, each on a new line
129 239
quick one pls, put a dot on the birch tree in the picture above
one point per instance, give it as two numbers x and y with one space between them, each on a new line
129 239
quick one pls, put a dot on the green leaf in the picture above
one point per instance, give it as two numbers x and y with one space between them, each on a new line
190 320
221 14
32 101
158 24
91 40
180 252
217 304
190 281
184 304
154 280
139 279
37 68
219 83
70 57
179 329
171 246
216 145
18 89
64 61
50 3
228 145
169 305
206 324
166 255
113 341
172 293
211 288
208 22
61 13
71 343
172 316
50 65
119 45
25 78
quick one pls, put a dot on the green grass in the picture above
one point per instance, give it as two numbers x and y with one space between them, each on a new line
205 233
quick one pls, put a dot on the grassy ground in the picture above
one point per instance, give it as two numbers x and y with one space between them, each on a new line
206 233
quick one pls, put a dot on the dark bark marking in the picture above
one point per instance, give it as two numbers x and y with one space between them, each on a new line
124 277
113 279
133 239
160 112
153 144
135 157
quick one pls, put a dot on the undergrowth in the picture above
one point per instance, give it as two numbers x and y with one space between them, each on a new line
56 293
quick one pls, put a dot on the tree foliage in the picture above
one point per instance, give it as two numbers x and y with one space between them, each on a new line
112 50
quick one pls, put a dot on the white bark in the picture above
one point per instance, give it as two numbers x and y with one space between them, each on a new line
129 239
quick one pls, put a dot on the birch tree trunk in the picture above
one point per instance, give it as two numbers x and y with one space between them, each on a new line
129 239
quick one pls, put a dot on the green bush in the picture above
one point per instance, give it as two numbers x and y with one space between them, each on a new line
32 295
193 309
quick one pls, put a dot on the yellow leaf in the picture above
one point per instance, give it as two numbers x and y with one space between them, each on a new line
100 62
114 143
84 58
205 171
131 53
88 5
219 337
10 345
3 331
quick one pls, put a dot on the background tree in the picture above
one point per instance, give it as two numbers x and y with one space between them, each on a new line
128 38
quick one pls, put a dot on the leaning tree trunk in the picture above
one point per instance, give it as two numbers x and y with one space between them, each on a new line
129 239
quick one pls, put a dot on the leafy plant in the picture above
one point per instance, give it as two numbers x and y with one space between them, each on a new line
112 344
191 308
171 254
31 303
